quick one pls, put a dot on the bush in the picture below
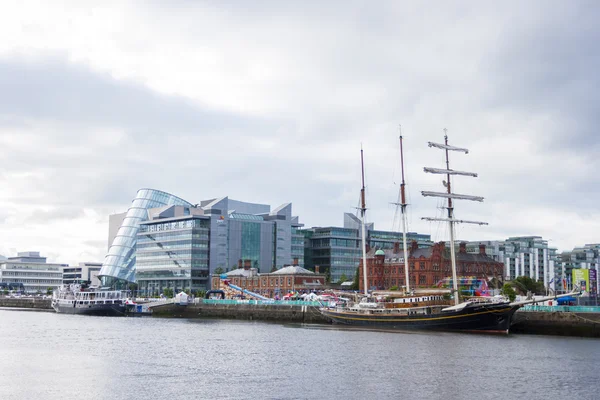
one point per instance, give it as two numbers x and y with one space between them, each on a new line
508 291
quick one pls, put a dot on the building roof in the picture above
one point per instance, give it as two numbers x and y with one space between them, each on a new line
241 272
292 270
427 252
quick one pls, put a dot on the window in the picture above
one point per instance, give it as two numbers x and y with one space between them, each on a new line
422 279
422 265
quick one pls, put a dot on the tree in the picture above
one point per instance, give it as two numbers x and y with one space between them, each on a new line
133 287
343 278
168 292
355 285
328 276
395 287
218 271
508 291
49 291
525 284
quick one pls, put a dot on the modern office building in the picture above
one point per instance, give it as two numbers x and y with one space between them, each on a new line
118 268
337 251
217 232
85 271
32 270
172 250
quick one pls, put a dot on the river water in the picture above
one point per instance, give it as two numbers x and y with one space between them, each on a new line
55 356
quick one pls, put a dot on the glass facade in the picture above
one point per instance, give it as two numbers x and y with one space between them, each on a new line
118 267
251 241
335 251
173 254
338 250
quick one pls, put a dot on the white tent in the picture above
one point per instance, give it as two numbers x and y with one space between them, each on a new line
181 298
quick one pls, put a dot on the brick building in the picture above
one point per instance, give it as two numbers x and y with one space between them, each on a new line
292 278
427 266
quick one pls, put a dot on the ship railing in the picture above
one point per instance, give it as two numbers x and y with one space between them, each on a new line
576 309
262 302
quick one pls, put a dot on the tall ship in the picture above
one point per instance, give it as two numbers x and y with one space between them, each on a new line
79 299
426 309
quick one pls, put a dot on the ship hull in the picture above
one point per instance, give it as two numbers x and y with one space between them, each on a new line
106 310
492 318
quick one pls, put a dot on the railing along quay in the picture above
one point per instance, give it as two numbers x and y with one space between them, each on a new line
572 309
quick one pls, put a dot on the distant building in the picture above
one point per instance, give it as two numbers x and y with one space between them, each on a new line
291 278
522 256
85 271
580 258
427 266
337 251
172 250
32 270
176 244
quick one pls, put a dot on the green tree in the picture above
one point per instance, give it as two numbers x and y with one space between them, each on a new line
168 292
328 276
525 284
133 287
218 271
49 291
508 291
343 278
395 287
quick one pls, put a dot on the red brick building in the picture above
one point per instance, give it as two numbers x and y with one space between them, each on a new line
292 278
427 266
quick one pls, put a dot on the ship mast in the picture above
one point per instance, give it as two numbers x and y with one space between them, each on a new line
403 205
363 213
449 195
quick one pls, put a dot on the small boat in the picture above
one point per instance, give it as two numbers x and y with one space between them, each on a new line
78 299
422 309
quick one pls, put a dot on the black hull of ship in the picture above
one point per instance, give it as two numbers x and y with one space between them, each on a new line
493 318
104 310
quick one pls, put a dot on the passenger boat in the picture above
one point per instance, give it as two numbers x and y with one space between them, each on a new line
427 311
77 299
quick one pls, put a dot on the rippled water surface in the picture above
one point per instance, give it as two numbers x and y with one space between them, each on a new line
54 356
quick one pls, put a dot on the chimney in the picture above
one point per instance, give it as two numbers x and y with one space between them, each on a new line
367 248
240 263
482 249
396 247
316 269
414 246
462 247
247 264
295 262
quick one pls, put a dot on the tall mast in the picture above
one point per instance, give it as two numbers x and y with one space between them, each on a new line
449 195
363 213
403 209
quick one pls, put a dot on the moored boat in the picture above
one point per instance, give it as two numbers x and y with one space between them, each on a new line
427 311
77 299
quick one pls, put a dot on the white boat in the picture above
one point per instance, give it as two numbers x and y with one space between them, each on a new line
77 299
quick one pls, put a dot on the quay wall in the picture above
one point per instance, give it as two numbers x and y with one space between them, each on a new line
262 312
585 324
31 302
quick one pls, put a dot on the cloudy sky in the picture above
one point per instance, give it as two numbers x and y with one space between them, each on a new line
270 101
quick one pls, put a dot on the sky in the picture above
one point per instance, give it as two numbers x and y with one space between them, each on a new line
270 102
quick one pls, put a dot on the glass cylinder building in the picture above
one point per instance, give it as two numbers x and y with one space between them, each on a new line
118 268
